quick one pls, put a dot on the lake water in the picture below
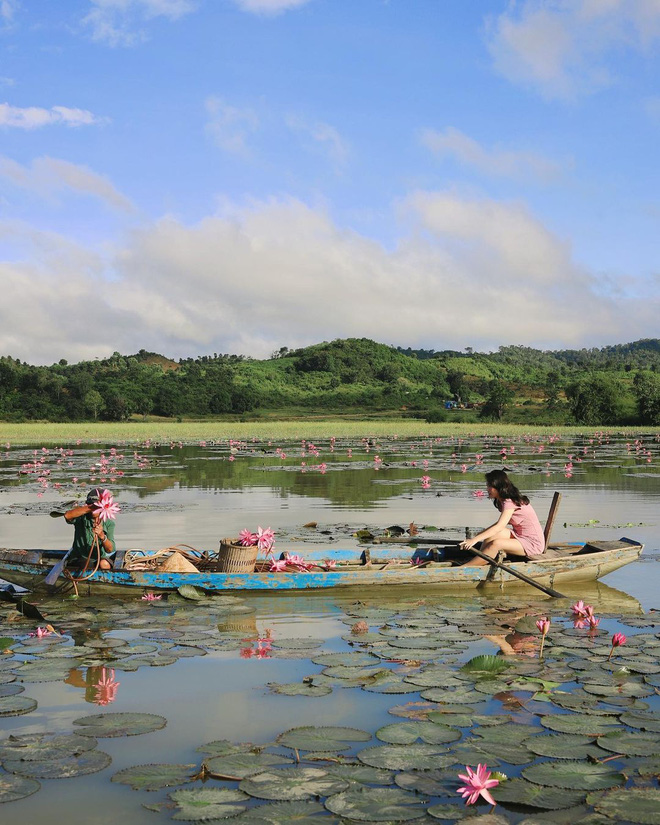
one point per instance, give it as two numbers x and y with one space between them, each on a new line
198 493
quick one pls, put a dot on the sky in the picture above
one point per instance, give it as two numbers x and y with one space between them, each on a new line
236 176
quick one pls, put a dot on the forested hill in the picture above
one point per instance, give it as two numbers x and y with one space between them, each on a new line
617 384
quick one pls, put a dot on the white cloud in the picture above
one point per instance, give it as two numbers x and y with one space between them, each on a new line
453 143
34 117
323 136
118 22
277 273
559 47
50 175
269 7
229 126
8 9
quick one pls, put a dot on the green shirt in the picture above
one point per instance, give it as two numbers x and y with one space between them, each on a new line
83 537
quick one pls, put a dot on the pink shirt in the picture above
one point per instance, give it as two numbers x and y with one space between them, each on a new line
526 527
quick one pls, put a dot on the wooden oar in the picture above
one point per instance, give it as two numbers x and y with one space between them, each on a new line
515 573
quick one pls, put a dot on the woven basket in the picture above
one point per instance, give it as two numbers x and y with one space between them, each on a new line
234 558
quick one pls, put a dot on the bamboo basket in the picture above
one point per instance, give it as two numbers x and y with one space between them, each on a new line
234 558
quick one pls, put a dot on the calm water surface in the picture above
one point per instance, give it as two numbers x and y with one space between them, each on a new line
198 493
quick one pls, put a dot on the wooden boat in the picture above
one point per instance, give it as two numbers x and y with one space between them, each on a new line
559 565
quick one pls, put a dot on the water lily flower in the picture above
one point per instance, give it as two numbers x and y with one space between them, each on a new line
151 597
247 653
618 639
477 783
543 625
265 540
582 609
106 508
329 564
106 688
247 538
593 622
278 565
40 632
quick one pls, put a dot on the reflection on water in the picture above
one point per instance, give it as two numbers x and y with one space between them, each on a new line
206 668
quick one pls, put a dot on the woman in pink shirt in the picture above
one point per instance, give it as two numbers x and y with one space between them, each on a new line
517 532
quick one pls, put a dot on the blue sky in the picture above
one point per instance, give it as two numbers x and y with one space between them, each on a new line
197 176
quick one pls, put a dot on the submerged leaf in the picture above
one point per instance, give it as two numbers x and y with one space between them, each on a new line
376 805
202 804
154 777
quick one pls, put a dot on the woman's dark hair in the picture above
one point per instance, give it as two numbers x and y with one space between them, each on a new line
500 481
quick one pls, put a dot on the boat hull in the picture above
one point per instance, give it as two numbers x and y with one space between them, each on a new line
551 572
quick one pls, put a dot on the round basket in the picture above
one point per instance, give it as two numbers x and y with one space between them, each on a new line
234 558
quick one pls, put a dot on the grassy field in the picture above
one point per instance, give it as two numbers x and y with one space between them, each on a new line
189 431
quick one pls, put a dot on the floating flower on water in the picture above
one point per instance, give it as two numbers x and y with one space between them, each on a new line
40 632
247 653
477 783
543 625
618 639
478 493
106 508
593 622
106 688
426 481
582 609
151 597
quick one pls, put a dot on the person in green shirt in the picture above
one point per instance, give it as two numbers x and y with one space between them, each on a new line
87 526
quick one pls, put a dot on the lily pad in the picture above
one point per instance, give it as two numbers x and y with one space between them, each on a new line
50 670
362 774
292 783
574 775
562 746
189 591
119 724
521 792
630 743
401 757
403 733
300 689
223 747
485 665
154 777
202 804
13 787
431 783
64 768
644 721
456 696
241 765
639 805
354 658
376 805
44 746
302 812
311 738
16 705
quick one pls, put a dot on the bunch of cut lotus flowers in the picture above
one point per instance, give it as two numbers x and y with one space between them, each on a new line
295 562
264 538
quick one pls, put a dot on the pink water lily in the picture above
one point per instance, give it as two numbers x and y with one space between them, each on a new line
593 622
247 538
151 597
618 639
477 783
40 632
278 565
265 539
106 688
582 610
106 508
543 625
329 564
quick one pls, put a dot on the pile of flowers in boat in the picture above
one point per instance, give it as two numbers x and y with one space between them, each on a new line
264 539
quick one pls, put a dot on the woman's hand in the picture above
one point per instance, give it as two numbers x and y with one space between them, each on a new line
468 544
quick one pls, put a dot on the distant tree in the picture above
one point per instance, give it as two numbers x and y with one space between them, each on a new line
595 400
499 398
457 385
118 408
94 403
551 388
646 386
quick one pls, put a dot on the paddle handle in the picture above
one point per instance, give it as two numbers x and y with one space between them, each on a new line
554 593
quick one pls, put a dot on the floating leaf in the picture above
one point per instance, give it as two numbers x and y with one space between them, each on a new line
292 783
562 746
639 805
352 659
302 812
485 665
402 733
376 805
68 766
311 738
202 804
154 777
630 743
44 746
521 792
223 747
401 757
297 644
194 594
574 775
241 765
644 721
432 783
300 689
50 670
362 774
119 724
16 705
13 787
457 696
626 689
